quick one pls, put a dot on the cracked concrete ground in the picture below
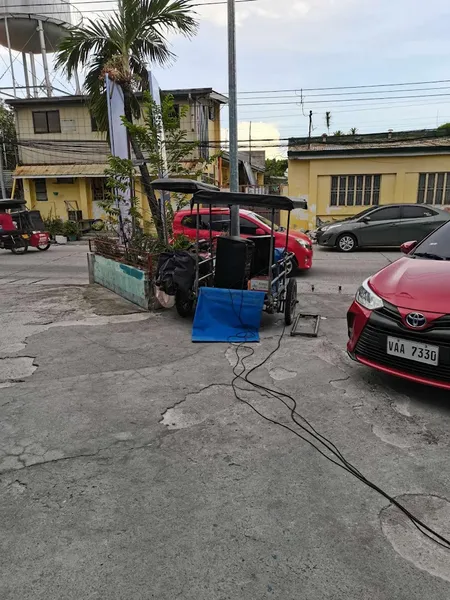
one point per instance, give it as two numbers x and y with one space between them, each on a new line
129 470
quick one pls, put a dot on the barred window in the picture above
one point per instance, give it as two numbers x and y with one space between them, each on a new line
434 188
355 190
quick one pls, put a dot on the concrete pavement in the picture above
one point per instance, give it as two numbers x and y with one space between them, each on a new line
129 470
60 265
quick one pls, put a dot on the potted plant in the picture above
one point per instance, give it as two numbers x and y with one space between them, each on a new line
71 231
54 226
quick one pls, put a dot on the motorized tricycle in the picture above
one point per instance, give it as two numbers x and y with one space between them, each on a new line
231 262
29 228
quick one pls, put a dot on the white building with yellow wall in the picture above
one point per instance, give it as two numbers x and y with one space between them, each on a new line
62 156
340 176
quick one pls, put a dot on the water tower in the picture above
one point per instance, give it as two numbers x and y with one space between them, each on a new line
33 28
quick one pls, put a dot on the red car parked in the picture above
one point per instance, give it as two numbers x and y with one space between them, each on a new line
185 223
399 322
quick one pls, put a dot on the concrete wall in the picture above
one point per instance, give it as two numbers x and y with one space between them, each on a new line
128 282
77 194
399 182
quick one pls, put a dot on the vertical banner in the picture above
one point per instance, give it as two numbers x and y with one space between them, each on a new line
163 172
118 140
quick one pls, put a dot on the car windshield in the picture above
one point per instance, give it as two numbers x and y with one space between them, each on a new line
436 246
264 220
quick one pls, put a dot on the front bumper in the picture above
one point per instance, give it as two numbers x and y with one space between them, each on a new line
325 238
368 331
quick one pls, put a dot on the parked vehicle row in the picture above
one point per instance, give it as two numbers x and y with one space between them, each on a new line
389 225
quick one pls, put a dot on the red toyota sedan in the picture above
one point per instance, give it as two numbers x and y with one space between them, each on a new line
185 222
399 322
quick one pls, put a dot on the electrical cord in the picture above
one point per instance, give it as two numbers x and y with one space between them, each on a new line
339 460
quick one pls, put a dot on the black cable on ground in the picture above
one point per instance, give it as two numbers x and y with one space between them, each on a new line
339 459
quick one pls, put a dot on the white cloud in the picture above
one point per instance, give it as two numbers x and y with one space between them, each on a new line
259 131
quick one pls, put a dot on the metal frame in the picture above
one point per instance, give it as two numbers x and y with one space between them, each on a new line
210 195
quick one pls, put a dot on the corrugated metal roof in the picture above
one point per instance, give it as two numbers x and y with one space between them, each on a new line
404 144
49 171
399 141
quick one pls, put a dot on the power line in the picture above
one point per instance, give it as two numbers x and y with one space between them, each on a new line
345 100
350 87
305 98
255 116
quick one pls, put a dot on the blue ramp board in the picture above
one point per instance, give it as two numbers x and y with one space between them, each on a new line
227 315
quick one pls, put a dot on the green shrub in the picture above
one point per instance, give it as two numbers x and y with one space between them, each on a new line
54 225
71 229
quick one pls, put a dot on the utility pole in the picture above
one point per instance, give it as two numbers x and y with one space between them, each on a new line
310 128
232 99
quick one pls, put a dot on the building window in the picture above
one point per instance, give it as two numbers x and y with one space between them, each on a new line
46 121
94 126
64 180
355 190
434 188
98 189
40 186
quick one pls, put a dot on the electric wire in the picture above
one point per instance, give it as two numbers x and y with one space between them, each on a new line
340 461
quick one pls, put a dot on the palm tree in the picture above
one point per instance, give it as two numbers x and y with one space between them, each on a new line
328 120
120 45
338 132
353 130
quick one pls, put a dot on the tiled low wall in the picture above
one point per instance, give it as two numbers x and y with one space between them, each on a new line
128 282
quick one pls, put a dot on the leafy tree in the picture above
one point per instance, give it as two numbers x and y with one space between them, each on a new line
445 127
8 136
120 45
275 168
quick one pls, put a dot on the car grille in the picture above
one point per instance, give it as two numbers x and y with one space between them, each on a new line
391 313
372 344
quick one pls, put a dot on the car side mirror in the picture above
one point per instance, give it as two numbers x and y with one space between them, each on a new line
260 231
366 220
407 247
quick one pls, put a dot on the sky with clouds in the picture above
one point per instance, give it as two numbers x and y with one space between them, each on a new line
302 44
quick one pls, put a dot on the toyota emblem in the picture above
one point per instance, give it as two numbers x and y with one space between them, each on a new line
416 320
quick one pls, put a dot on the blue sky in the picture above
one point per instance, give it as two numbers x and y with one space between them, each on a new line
286 44
300 44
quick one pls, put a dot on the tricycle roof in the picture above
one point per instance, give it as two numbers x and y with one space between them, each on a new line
6 203
208 194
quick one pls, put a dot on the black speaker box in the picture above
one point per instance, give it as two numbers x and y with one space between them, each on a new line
233 263
261 253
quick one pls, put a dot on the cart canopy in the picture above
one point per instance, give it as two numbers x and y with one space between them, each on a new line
209 194
182 186
10 204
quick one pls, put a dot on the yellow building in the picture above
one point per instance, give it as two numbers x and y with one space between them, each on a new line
62 156
340 176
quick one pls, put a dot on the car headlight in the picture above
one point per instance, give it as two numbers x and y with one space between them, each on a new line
304 243
332 227
367 298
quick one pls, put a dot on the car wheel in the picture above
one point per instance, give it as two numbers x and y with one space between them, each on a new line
346 242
